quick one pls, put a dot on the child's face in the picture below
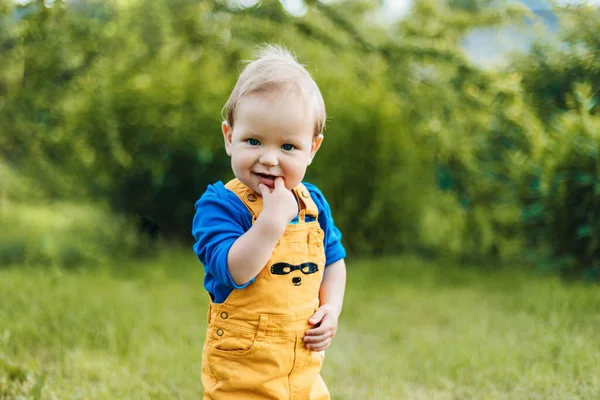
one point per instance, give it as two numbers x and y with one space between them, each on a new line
273 136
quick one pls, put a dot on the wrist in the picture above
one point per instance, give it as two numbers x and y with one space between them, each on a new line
271 225
334 308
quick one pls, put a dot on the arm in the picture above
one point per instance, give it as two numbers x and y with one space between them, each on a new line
251 251
334 286
325 319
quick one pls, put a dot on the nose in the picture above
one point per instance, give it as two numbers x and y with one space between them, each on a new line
269 158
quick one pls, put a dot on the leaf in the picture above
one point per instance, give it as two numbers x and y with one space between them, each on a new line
584 178
533 211
592 103
584 231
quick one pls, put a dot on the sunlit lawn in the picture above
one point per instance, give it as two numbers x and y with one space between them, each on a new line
411 329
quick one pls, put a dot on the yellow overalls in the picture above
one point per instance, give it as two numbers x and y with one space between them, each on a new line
254 347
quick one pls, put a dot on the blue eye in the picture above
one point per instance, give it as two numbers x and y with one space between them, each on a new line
288 147
253 142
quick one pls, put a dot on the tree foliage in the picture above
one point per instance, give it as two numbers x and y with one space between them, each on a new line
120 102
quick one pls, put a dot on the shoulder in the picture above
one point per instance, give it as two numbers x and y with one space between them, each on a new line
312 188
216 189
217 195
317 196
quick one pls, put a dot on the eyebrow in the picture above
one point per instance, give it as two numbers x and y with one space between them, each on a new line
250 133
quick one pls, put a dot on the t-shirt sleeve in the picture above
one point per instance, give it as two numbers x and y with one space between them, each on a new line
216 226
334 250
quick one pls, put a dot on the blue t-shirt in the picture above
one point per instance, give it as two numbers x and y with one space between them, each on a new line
221 217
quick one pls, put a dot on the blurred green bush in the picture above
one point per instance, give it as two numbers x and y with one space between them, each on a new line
65 234
61 233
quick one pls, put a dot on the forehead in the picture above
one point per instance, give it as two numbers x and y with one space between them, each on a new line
286 113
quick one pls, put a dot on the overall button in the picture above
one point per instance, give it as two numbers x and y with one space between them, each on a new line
224 315
220 332
305 194
251 197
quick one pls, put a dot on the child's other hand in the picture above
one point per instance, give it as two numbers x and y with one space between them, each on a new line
325 322
279 203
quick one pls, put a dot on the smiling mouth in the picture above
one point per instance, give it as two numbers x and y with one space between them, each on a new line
266 179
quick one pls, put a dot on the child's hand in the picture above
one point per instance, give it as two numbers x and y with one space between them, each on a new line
325 322
279 204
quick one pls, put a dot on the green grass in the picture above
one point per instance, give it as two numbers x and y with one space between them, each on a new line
411 329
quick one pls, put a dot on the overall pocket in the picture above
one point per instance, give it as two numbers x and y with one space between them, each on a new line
234 353
228 339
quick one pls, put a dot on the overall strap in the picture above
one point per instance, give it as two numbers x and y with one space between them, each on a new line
251 200
307 205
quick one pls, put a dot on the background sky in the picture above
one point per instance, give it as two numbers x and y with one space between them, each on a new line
400 7
397 8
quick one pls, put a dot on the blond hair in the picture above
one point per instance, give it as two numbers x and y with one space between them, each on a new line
275 69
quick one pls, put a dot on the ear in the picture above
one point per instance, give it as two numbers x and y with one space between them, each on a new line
227 132
316 144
